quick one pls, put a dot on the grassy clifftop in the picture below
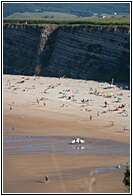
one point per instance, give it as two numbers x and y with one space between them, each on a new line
96 21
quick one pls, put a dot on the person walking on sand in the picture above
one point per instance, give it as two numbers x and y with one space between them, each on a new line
37 101
97 113
11 106
105 104
111 123
46 179
90 117
8 83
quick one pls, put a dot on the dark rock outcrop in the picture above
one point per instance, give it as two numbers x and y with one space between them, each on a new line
75 51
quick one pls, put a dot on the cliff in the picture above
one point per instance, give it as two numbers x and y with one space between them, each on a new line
75 51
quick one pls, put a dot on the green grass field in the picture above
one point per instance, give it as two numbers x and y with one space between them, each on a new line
95 21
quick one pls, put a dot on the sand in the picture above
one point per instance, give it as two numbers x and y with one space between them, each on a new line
56 123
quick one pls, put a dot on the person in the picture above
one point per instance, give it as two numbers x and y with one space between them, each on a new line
111 123
46 178
117 108
10 107
62 105
97 113
95 92
87 100
8 83
90 117
37 101
105 104
112 81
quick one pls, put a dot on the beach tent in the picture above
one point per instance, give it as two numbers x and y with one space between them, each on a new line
119 99
22 81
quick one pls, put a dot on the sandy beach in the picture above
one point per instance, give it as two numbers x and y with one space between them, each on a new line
41 116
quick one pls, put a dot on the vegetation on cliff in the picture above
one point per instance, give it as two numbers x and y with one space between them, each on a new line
95 21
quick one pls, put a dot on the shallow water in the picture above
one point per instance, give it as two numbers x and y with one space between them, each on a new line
83 172
61 144
86 172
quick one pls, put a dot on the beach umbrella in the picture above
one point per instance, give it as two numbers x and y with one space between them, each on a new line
119 98
125 108
110 94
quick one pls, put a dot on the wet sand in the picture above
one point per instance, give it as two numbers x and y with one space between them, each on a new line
40 141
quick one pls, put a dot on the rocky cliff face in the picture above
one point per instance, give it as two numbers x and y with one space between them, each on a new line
76 51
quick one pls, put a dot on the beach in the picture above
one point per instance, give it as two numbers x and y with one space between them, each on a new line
41 116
